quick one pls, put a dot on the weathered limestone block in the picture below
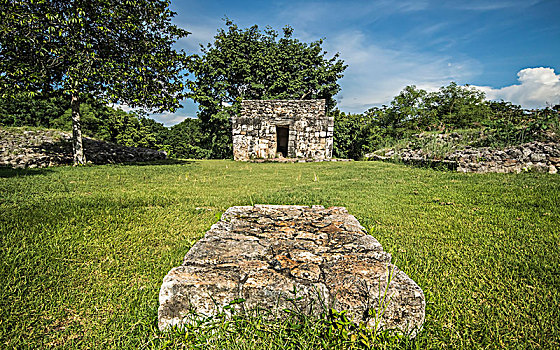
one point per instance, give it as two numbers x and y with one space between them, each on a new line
264 253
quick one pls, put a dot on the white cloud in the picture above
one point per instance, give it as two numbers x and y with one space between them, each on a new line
538 86
170 119
200 34
319 16
167 118
376 74
485 5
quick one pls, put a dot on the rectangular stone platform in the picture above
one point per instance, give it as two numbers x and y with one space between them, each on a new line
263 253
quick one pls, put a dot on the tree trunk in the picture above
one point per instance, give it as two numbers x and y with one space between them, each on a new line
77 146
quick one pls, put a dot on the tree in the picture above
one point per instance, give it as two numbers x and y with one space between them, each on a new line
185 139
358 134
254 64
406 108
506 110
347 134
118 51
458 106
130 129
38 111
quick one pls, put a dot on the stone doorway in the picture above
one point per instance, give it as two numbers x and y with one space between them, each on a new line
282 133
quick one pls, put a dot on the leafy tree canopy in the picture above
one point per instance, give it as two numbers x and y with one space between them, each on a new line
40 111
458 106
113 50
452 106
254 64
185 140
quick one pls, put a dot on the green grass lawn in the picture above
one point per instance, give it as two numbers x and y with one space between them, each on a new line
84 250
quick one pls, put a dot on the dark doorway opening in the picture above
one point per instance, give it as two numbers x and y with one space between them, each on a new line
282 133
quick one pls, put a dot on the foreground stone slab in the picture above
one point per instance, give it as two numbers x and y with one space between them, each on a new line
264 253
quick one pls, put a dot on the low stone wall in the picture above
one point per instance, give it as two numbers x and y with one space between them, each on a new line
44 148
533 156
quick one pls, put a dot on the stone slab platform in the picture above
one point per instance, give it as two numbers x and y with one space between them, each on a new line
263 253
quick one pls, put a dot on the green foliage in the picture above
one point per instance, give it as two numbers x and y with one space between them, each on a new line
293 329
252 64
458 106
503 132
355 134
217 130
339 332
506 111
546 120
516 127
91 117
97 120
407 108
118 51
41 110
413 110
345 131
452 108
185 140
130 130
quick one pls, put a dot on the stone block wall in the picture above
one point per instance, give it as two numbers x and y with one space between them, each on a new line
255 130
44 148
533 156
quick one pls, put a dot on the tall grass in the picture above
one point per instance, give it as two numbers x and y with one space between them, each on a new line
84 250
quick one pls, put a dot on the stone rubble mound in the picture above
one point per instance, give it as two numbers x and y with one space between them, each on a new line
532 156
45 148
264 253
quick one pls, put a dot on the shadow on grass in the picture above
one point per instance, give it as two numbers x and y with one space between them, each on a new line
436 164
159 162
97 152
6 172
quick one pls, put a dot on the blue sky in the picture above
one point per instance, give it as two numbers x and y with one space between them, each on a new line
508 48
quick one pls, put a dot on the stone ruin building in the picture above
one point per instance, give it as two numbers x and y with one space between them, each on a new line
269 129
